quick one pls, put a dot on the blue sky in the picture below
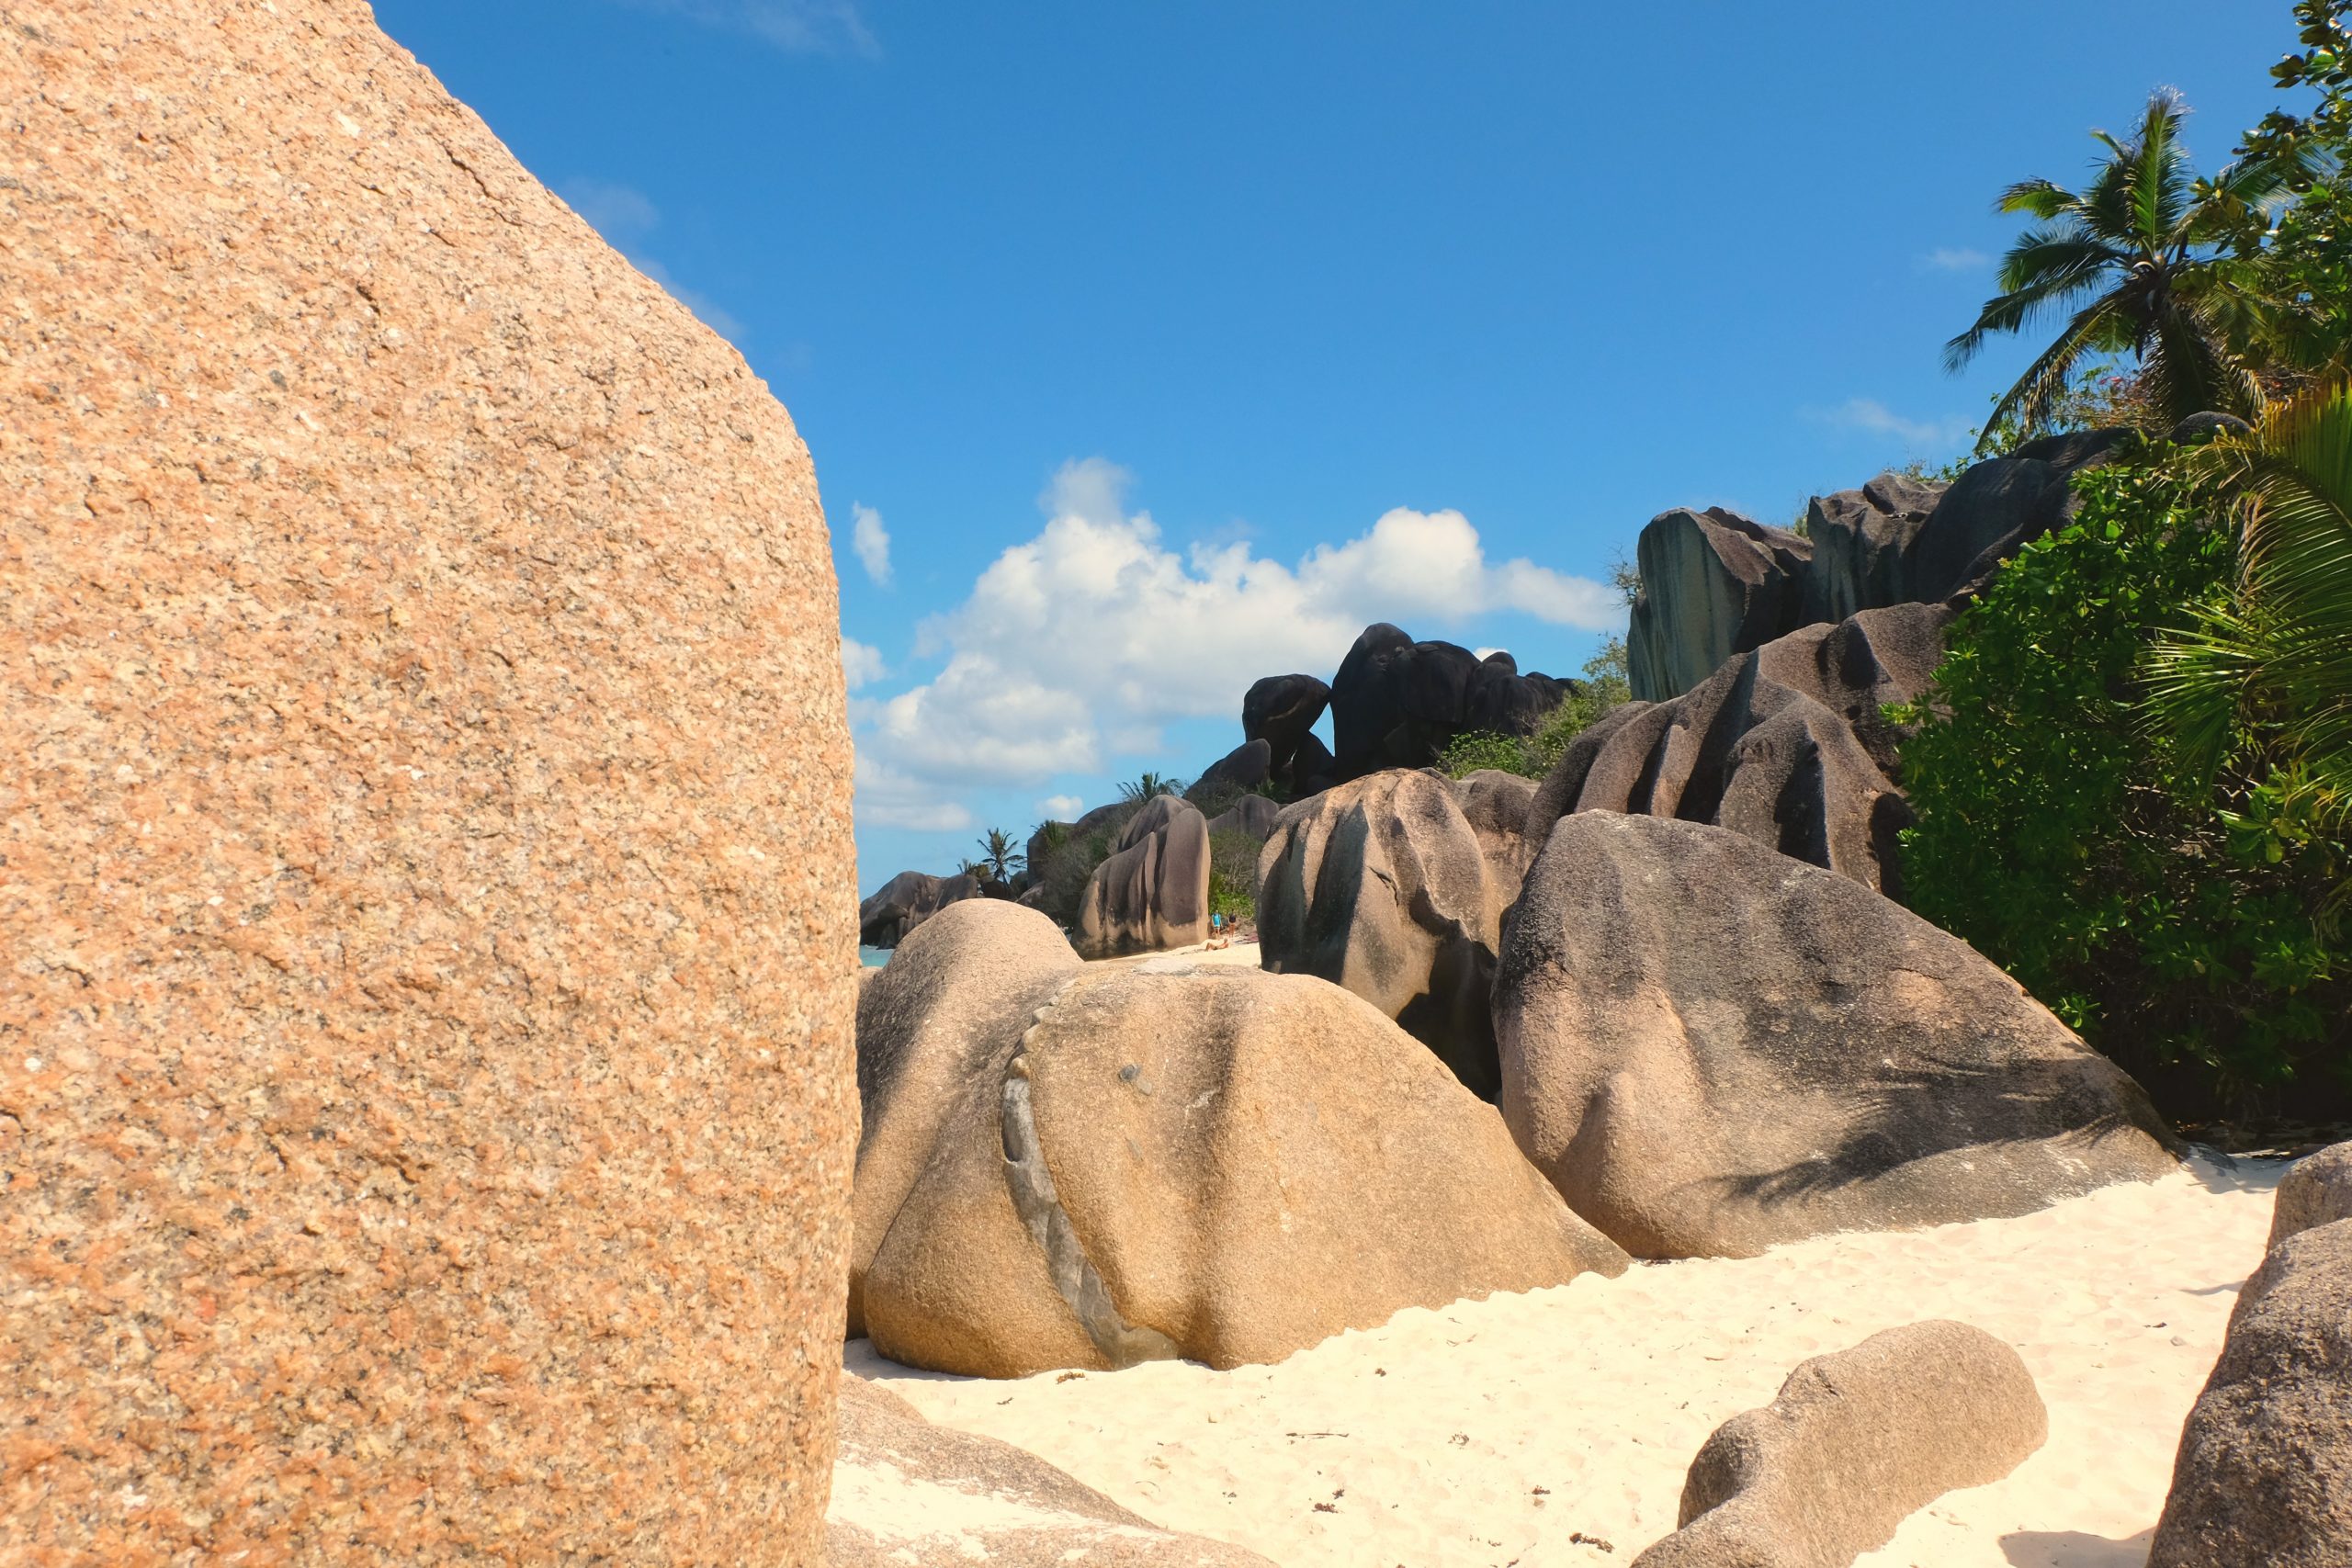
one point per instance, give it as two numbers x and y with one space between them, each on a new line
1147 348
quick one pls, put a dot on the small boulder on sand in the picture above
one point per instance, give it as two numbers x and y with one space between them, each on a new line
2265 1471
910 1495
1709 1047
1852 1445
1210 1162
1153 893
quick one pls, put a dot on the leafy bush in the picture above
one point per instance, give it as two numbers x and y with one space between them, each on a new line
1604 686
1070 864
2178 927
1233 875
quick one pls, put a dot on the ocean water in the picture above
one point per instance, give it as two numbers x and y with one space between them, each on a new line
873 957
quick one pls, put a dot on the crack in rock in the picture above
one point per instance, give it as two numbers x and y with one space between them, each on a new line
1039 1204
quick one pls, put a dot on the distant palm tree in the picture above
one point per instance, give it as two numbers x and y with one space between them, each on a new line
999 855
2139 251
1143 786
2275 661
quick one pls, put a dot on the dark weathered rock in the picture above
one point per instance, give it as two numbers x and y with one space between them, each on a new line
1787 744
1312 769
1398 703
911 1494
1153 892
908 899
1203 1161
2265 1471
2317 1190
1248 766
1862 540
2198 427
1988 514
1711 1048
1852 1445
1713 583
1383 885
1281 710
1252 814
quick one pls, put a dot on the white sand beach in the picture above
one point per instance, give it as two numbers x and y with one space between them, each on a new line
1555 1427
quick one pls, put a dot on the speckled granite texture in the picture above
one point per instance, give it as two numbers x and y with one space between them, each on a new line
426 902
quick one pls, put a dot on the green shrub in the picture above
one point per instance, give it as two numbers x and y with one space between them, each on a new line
1604 686
1233 875
2178 927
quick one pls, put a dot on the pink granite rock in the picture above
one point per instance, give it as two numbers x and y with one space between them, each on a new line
426 881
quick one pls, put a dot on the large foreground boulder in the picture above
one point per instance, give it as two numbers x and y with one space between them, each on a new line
1194 1160
2316 1190
1385 886
2265 1470
1711 1048
1153 892
1852 1445
1787 744
893 910
911 1494
428 906
1398 703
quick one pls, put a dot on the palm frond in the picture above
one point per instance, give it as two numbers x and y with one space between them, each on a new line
2093 328
2045 200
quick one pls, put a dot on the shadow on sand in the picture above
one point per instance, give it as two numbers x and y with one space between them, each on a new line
2073 1549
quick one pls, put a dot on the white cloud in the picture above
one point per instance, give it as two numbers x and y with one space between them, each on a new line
1062 807
860 663
1080 642
1947 258
872 542
1869 414
799 26
624 215
886 798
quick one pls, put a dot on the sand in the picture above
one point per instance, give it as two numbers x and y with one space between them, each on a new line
1531 1429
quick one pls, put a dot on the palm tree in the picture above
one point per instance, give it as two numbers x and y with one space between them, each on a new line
2137 257
1143 786
2274 664
998 855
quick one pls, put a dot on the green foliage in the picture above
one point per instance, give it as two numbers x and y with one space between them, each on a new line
1066 870
1233 875
1142 788
2176 926
1604 686
2137 257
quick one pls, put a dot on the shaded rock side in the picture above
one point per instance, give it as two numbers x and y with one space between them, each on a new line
911 1494
906 901
1385 887
1247 767
1710 1049
1281 710
2265 1470
1852 1445
1153 893
1713 583
1251 814
1398 703
1862 546
429 893
935 1027
1209 1162
2316 1190
1787 744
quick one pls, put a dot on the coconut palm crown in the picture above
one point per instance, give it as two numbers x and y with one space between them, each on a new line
2137 257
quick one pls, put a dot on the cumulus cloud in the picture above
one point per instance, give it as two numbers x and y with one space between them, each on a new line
872 542
860 663
624 216
888 798
1062 807
1946 258
1869 414
1080 643
798 26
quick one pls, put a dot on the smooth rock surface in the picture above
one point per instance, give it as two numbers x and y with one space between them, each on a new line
1853 1444
1862 543
1252 814
1713 583
1385 887
1205 1161
428 894
1152 894
1711 1048
2265 1471
910 1495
